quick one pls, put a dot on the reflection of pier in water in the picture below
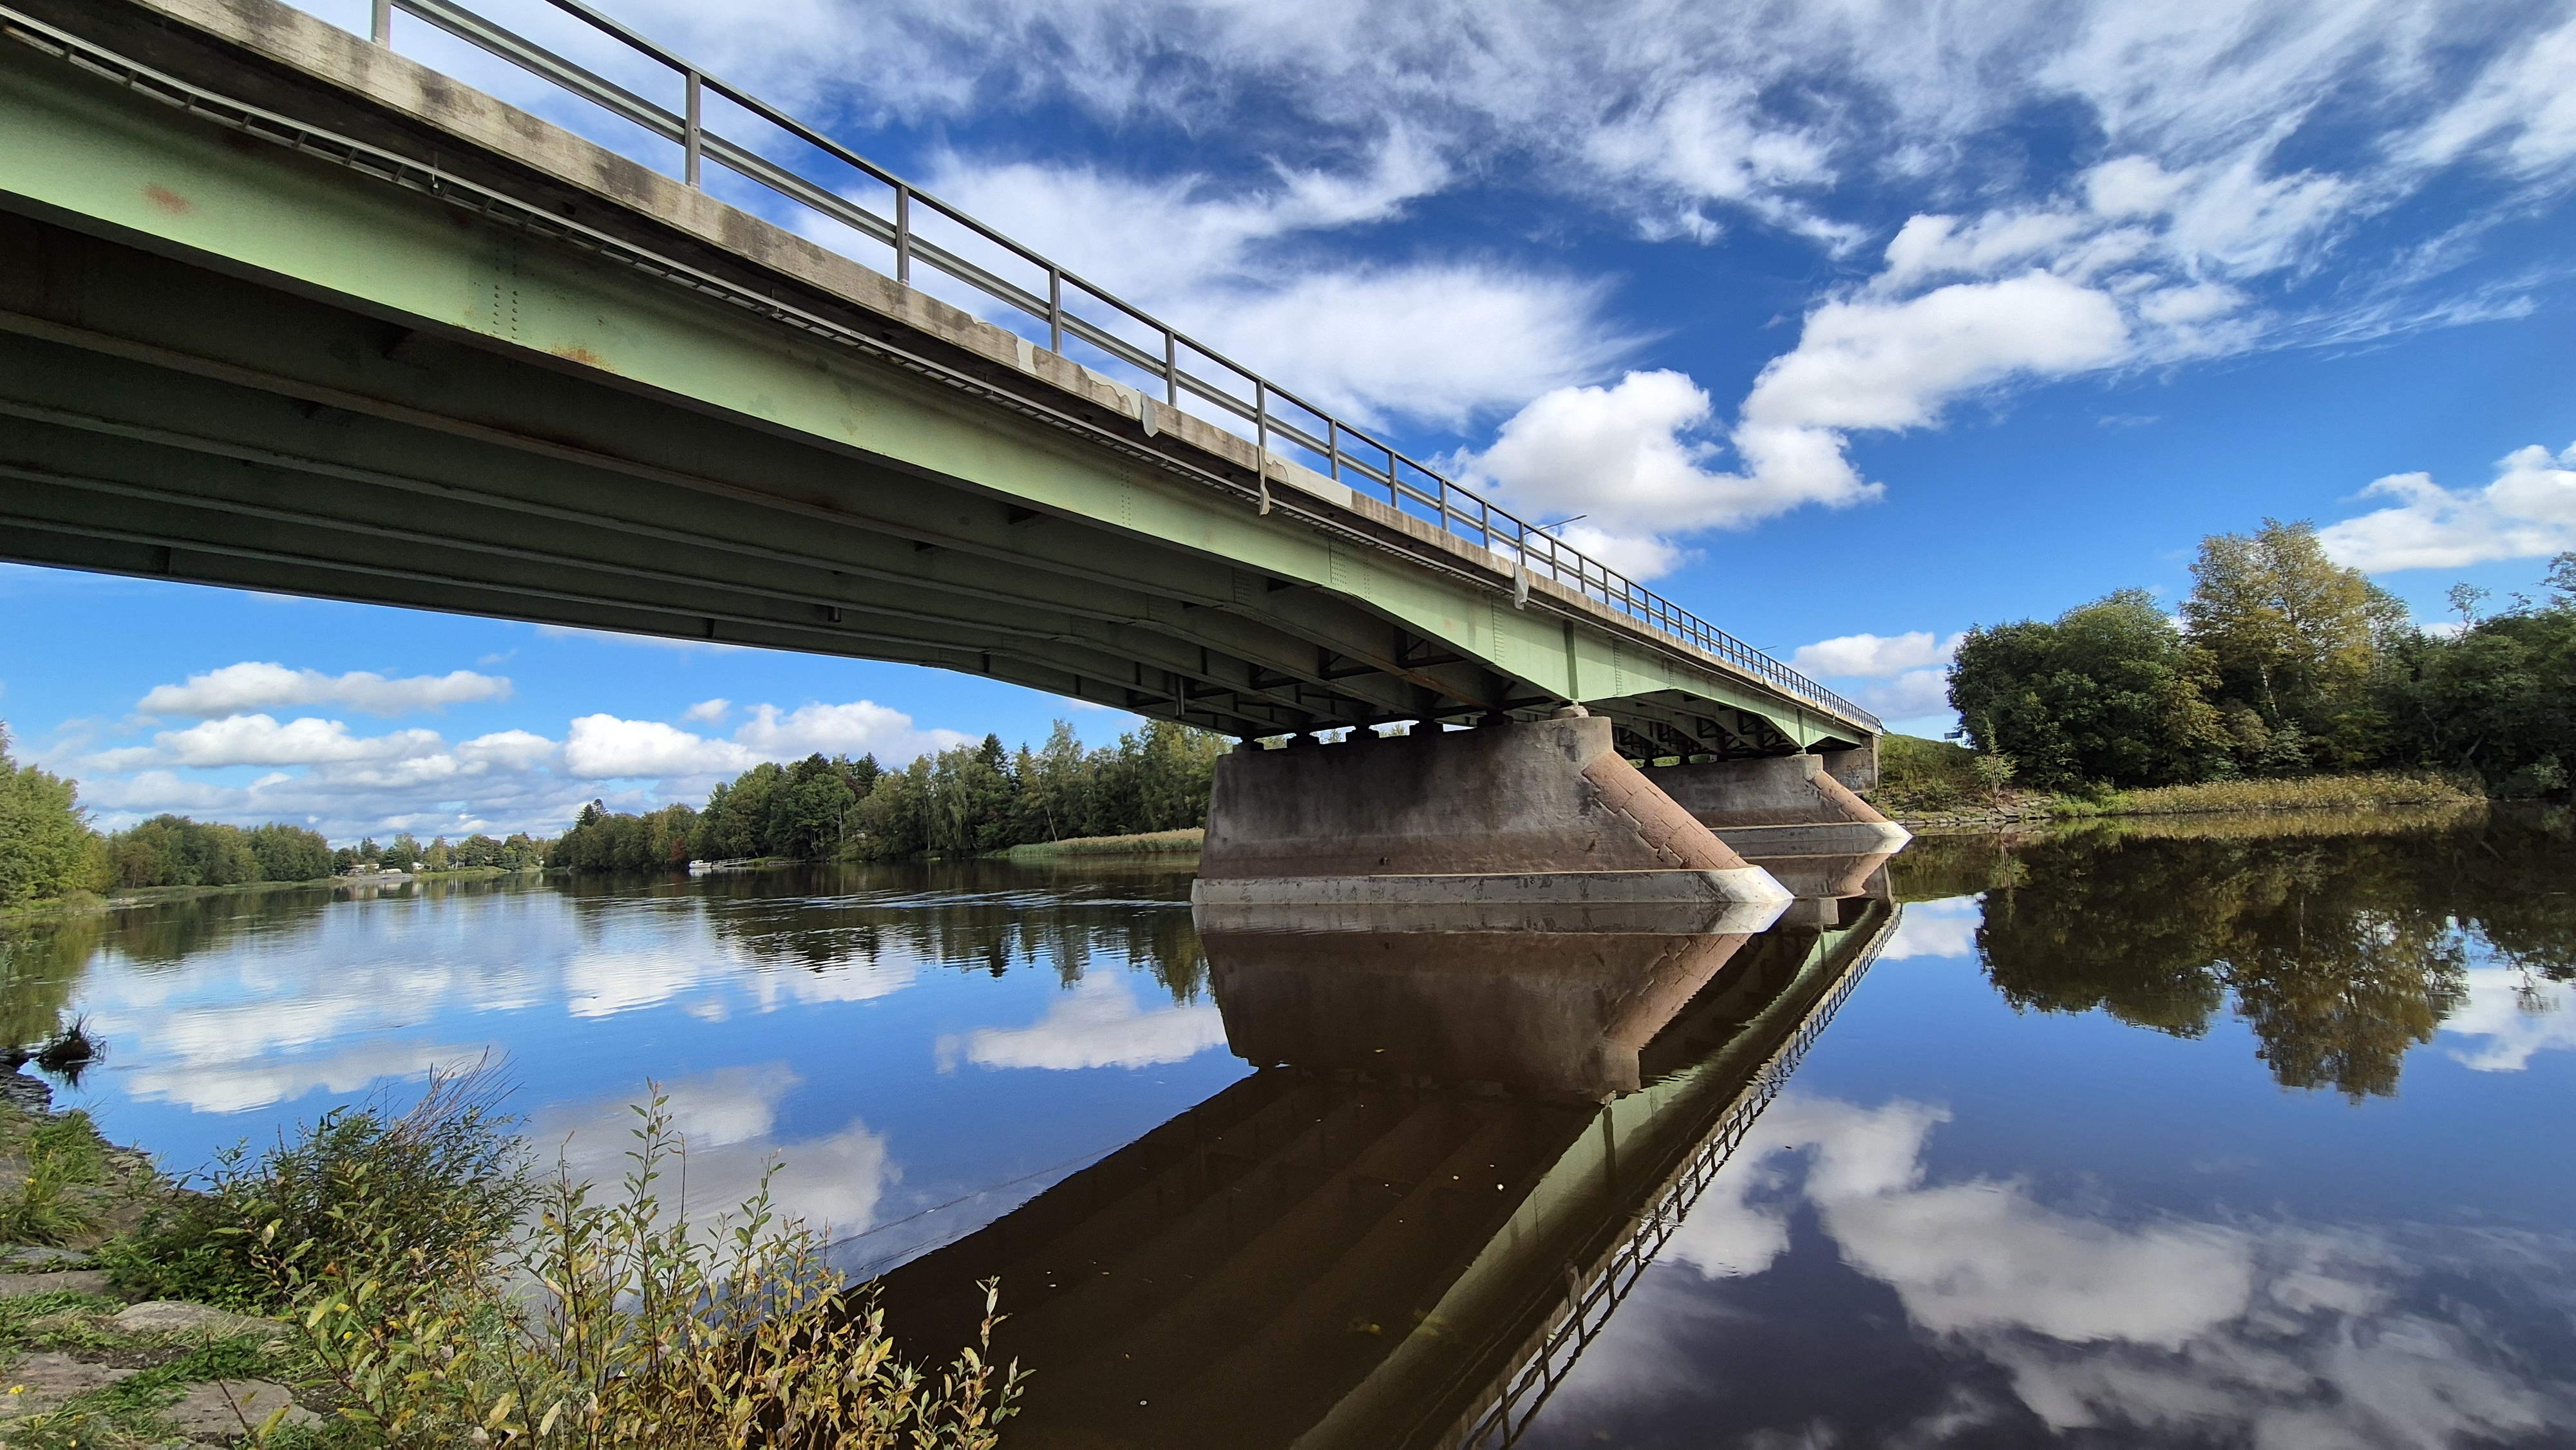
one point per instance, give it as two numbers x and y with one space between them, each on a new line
1460 1151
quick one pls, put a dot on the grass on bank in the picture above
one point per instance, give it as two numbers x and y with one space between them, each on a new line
439 1291
1925 777
1152 843
2303 793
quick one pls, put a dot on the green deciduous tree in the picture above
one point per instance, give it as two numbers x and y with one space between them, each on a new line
47 849
2110 692
2497 699
289 853
170 850
2293 637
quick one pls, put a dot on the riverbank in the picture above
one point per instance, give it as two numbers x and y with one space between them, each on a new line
391 1250
82 903
1154 843
2313 797
87 1363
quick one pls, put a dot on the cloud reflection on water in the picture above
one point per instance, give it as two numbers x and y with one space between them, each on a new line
2155 1328
1096 1023
2518 1014
728 1120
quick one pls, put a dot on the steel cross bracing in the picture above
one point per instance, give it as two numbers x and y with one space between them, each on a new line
1408 485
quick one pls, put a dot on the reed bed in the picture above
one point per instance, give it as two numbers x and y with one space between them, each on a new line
2308 793
1152 843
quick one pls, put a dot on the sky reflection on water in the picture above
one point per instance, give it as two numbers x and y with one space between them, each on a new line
2122 1140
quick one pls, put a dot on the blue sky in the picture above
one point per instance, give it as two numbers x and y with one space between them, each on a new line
1853 325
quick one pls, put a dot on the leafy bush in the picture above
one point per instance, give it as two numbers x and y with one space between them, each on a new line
614 1324
448 1296
1916 774
446 1176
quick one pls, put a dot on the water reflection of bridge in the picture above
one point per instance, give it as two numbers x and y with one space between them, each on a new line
1458 1154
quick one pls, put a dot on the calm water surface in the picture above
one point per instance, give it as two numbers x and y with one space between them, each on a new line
2104 1140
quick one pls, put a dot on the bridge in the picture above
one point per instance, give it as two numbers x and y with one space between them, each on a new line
1457 1155
282 309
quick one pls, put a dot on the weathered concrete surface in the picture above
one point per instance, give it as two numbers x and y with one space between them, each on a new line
1557 1014
1832 876
1778 806
1546 810
1856 768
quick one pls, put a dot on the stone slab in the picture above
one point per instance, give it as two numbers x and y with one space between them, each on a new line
179 1316
42 1382
86 1281
217 1412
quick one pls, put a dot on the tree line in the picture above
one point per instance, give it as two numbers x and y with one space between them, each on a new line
49 851
961 801
2282 663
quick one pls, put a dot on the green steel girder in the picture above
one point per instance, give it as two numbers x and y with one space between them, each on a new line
861 570
644 424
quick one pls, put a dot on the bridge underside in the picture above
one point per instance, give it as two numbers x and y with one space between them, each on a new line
227 362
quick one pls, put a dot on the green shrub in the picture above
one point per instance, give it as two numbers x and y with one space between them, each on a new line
445 1176
446 1296
1916 775
611 1324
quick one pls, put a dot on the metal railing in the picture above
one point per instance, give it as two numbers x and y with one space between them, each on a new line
1351 455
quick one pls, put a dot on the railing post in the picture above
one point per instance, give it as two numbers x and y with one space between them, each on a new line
903 233
1055 310
1333 433
1261 427
690 131
1171 367
381 24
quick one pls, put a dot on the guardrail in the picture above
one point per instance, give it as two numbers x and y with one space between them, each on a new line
1349 454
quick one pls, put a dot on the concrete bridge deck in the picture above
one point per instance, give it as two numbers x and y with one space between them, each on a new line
281 309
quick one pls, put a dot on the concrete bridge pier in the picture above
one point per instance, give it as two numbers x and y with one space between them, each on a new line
1797 816
1543 817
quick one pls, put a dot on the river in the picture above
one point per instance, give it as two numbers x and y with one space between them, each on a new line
2206 1134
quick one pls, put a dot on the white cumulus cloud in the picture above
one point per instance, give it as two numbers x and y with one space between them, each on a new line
1632 456
1875 656
261 740
2528 512
1423 338
861 727
252 685
605 747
